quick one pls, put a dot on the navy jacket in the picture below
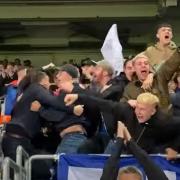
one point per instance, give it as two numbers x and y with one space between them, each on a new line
24 121
62 119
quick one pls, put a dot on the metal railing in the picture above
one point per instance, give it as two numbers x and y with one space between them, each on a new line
23 166
22 159
9 164
39 157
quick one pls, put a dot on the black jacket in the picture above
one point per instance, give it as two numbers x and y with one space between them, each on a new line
152 171
121 81
62 119
113 93
156 132
24 121
175 100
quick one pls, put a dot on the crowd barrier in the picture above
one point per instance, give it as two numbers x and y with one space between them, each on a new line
8 165
39 157
80 167
22 160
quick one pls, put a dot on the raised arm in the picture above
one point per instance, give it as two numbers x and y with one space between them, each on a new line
152 170
169 67
54 115
46 98
110 170
115 108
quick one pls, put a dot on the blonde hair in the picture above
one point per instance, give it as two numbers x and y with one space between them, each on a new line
148 98
140 55
130 170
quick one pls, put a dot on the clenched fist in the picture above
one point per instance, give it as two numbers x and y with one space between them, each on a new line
78 110
70 99
35 106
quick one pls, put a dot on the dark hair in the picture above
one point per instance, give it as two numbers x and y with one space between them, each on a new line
87 62
32 76
17 61
27 63
5 62
50 72
38 76
126 61
26 81
163 25
176 77
70 69
157 27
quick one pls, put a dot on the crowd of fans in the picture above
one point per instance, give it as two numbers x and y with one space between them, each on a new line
72 109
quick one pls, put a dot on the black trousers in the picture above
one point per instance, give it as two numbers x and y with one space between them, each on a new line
40 169
10 144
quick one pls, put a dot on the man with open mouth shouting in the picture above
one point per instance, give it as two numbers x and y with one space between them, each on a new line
159 52
160 80
164 48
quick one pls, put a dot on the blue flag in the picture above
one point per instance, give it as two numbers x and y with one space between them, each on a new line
88 167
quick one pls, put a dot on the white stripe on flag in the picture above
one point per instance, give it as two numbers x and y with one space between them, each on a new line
171 175
79 173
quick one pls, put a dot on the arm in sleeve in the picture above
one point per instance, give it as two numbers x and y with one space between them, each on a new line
110 171
131 91
52 115
45 98
168 68
101 104
151 169
126 94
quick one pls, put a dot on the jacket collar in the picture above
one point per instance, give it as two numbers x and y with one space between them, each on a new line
171 46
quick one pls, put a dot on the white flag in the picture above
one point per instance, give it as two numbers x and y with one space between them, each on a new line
112 50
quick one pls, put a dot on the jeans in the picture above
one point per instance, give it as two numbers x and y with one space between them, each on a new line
95 145
71 142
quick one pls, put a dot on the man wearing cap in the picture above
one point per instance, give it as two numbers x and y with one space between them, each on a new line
72 129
